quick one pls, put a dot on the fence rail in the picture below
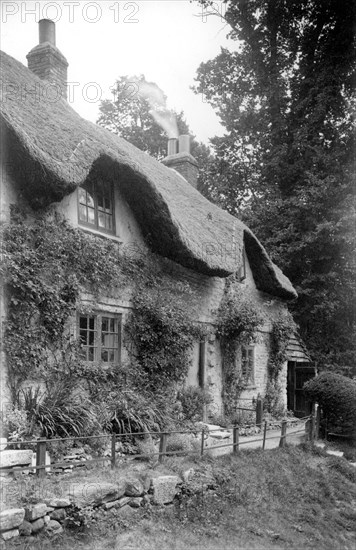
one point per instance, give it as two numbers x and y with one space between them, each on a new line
310 429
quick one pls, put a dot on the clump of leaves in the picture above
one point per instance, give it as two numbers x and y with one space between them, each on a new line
336 394
16 424
132 411
193 400
238 321
238 318
283 328
161 332
58 411
46 264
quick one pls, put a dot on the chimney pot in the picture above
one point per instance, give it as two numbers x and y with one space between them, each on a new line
184 144
46 61
47 31
182 161
172 146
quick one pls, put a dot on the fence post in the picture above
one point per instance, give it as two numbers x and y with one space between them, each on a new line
259 411
235 439
264 435
162 446
202 442
113 450
317 423
41 458
282 441
312 429
307 430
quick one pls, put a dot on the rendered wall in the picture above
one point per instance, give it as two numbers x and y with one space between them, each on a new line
207 293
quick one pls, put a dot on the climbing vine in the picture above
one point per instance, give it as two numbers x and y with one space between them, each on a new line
48 264
238 322
283 328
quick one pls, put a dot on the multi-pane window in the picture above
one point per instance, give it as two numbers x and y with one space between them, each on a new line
96 205
248 364
100 338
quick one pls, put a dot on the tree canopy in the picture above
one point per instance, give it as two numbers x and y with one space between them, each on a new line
285 95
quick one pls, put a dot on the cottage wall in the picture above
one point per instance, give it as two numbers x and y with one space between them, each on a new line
207 295
9 194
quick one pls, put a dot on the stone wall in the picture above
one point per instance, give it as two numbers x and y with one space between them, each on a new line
49 64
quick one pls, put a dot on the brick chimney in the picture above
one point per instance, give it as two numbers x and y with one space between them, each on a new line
46 61
182 161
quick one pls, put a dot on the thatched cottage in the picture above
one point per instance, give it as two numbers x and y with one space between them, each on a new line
48 156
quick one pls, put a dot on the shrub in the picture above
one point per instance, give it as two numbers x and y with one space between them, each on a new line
58 411
17 425
272 402
132 411
336 394
193 400
179 442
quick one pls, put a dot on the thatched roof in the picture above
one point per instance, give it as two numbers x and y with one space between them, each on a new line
53 150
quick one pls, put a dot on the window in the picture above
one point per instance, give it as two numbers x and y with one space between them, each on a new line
96 206
100 337
248 364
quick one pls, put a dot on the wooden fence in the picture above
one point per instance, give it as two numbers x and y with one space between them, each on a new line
310 429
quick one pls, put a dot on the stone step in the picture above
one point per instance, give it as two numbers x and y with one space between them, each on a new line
15 457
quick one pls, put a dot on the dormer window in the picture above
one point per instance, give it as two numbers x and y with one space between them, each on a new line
96 206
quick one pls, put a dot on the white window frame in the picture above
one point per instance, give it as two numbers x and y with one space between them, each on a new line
97 337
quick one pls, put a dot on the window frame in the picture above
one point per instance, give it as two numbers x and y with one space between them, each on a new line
95 226
98 317
249 378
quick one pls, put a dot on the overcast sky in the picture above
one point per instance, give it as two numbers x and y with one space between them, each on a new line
165 40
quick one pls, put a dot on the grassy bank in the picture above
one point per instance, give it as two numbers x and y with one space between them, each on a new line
286 498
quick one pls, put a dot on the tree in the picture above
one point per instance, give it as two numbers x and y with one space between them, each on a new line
286 161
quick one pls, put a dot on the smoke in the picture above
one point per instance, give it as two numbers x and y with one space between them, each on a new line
158 103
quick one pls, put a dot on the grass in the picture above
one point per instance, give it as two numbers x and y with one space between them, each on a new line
285 498
347 446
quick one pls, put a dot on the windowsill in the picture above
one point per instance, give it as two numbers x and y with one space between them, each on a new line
250 387
102 234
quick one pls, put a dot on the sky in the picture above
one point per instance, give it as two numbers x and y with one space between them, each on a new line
166 40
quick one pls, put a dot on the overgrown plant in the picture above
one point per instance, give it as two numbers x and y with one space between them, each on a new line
283 328
47 265
161 332
336 394
193 401
59 411
238 322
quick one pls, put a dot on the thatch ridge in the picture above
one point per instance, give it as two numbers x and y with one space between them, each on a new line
53 150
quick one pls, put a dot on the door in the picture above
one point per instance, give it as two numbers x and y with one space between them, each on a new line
298 375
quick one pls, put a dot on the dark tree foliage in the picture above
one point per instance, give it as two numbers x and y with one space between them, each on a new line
336 395
285 94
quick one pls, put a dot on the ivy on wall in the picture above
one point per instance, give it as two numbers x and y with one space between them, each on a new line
48 264
283 328
238 320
